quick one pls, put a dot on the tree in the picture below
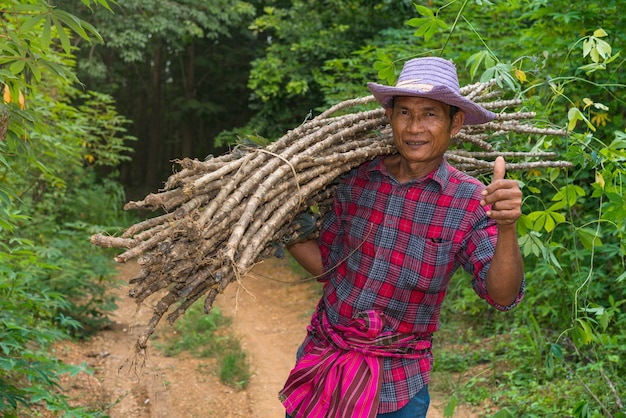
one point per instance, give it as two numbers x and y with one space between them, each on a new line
563 59
51 283
171 65
572 319
302 36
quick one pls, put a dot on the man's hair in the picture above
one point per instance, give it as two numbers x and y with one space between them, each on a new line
453 111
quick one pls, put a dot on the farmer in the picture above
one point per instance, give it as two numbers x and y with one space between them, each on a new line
399 228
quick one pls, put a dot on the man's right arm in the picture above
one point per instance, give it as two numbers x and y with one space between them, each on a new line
308 255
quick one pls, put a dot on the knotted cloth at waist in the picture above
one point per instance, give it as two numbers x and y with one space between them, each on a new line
342 376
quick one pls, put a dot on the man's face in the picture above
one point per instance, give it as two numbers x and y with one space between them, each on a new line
422 128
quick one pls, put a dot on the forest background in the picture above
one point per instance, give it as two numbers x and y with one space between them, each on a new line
99 98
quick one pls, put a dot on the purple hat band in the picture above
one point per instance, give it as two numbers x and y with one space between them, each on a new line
432 78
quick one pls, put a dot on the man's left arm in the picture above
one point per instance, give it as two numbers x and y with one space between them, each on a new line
506 272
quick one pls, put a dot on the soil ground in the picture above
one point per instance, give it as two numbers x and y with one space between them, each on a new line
270 309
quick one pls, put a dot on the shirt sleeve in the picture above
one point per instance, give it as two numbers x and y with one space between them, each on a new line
480 249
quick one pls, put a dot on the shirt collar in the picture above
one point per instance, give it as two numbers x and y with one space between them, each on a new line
441 175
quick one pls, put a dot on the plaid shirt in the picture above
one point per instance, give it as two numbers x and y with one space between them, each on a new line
393 248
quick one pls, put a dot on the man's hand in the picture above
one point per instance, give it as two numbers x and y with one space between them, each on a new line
504 196
506 272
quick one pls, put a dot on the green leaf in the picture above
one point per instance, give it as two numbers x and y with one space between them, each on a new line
556 351
546 219
581 410
426 26
386 68
448 412
35 70
482 57
582 333
31 23
93 30
503 413
589 238
587 47
102 3
5 198
416 22
548 254
603 48
424 11
75 24
46 34
616 151
18 66
600 33
569 194
549 222
574 115
554 355
65 40
531 243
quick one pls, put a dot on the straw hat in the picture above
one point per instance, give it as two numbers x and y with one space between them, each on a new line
433 78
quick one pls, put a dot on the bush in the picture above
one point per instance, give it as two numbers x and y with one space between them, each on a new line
206 335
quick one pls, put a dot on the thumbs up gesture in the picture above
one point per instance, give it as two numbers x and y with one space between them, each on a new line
503 198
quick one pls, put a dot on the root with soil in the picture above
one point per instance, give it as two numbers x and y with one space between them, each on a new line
224 214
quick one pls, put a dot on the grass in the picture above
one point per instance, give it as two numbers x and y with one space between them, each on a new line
208 336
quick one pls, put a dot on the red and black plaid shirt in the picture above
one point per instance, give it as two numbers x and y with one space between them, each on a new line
393 248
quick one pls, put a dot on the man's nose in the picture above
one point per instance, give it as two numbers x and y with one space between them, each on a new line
416 124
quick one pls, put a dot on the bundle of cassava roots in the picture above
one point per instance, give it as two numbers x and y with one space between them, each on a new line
221 216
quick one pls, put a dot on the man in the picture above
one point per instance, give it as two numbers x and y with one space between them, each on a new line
400 226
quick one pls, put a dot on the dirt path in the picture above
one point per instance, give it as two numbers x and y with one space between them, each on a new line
269 317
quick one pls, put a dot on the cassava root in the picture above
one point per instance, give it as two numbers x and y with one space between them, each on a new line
224 214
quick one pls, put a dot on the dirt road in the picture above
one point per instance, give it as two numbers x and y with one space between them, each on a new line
269 317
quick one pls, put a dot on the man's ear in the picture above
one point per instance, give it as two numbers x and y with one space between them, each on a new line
389 112
457 122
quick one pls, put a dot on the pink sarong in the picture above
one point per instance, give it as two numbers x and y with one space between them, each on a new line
342 378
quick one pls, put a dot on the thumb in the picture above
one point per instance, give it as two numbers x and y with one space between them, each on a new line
499 169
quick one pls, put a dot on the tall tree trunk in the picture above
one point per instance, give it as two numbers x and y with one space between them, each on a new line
156 122
189 119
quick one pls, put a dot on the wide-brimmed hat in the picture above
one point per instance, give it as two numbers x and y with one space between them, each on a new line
433 78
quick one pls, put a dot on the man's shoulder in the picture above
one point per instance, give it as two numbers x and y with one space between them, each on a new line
364 170
464 177
458 179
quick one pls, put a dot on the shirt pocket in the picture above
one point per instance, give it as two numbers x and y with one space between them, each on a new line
428 264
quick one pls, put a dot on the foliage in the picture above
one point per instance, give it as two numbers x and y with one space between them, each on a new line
31 320
57 147
572 233
301 37
30 29
177 69
559 354
563 360
60 200
206 335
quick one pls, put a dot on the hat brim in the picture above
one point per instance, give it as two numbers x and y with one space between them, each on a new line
474 113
